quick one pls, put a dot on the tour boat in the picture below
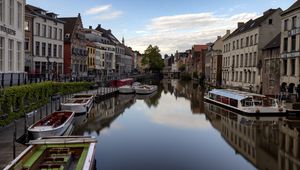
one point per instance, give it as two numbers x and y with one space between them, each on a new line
145 89
122 82
81 104
244 102
57 153
54 124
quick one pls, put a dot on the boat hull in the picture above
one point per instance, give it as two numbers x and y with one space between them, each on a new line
44 131
126 90
143 91
239 111
78 108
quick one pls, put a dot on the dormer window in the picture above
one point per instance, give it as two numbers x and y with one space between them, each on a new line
43 12
270 21
67 35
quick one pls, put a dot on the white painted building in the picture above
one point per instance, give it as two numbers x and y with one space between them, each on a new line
290 46
48 45
242 51
12 16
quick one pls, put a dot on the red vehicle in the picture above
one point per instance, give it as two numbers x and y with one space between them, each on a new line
122 82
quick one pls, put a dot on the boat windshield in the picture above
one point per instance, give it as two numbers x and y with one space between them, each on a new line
264 101
248 102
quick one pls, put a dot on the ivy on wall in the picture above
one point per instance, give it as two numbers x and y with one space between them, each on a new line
17 100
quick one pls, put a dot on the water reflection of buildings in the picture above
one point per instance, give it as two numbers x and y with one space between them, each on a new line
190 91
268 143
105 112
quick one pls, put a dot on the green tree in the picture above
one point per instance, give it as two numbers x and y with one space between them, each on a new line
152 58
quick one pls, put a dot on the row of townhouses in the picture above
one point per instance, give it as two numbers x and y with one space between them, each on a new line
36 43
261 55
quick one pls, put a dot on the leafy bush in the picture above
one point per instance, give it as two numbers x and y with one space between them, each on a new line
17 100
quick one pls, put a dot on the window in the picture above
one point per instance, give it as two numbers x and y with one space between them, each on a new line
2 10
242 60
247 41
20 18
26 44
246 60
250 60
241 76
49 49
270 21
44 28
54 50
237 44
60 34
293 62
284 67
43 49
37 67
55 33
233 61
253 78
245 78
254 59
286 22
60 51
233 45
255 39
19 55
294 22
293 43
2 45
285 44
11 12
38 29
26 26
251 40
237 61
37 48
50 32
242 43
10 54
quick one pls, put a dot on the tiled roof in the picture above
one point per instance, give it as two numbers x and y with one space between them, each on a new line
251 24
274 43
69 24
37 12
109 35
295 6
199 48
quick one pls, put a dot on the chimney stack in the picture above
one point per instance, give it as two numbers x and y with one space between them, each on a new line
90 27
227 31
219 37
240 24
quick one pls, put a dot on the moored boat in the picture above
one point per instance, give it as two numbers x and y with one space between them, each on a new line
145 89
127 89
244 102
122 82
56 153
80 104
54 124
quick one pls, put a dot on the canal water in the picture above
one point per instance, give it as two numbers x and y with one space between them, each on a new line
174 129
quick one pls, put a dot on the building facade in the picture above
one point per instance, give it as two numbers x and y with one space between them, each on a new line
12 16
290 46
45 58
75 53
242 51
271 67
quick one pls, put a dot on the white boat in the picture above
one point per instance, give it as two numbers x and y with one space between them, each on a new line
127 89
54 124
145 89
244 102
57 153
81 104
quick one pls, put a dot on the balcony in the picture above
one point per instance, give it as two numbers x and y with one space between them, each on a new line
294 31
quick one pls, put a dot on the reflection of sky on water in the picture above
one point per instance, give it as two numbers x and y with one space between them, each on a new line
172 112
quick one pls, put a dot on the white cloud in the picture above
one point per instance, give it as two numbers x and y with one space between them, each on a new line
98 9
110 15
180 32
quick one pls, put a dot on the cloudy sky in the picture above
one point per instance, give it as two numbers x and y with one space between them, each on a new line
170 24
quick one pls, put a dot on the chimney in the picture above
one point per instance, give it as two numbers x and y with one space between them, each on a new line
227 31
268 11
240 24
109 31
219 37
99 25
90 27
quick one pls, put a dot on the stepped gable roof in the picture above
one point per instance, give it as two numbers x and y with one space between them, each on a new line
42 13
70 23
251 24
295 6
274 43
200 48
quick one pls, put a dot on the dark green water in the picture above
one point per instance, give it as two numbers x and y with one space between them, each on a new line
174 129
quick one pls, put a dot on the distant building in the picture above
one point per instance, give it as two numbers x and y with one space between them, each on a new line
197 62
91 49
290 46
75 53
12 16
43 44
271 67
242 51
